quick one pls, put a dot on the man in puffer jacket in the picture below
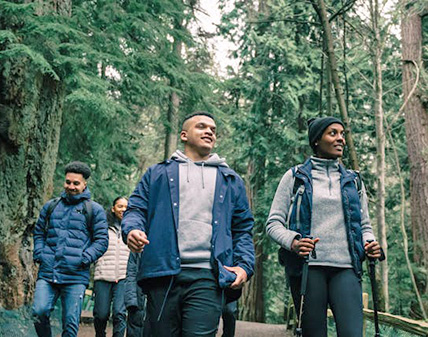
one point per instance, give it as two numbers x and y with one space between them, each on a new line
66 242
110 273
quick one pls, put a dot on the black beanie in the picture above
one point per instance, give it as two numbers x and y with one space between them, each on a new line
317 126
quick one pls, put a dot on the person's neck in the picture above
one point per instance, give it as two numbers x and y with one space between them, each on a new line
325 157
195 156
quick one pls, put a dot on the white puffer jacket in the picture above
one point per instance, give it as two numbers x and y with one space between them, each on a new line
111 267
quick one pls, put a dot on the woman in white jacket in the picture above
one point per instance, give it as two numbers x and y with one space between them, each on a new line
110 273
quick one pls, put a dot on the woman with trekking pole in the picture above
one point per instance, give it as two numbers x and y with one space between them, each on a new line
319 217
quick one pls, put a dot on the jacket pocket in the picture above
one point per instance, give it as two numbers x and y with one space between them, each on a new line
225 277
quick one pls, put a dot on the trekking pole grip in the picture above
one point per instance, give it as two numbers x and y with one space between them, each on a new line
382 254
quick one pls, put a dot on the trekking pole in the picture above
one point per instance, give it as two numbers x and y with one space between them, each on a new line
304 282
299 331
372 272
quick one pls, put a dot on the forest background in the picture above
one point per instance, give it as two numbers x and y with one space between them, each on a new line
107 83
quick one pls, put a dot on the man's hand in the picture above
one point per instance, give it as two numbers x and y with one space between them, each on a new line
304 246
137 239
372 249
241 277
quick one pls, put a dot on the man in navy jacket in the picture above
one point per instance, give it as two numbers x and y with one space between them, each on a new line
191 215
65 245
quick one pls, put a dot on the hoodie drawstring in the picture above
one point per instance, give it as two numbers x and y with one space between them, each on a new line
166 296
202 170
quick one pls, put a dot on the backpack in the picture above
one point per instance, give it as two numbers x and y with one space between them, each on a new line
87 209
298 190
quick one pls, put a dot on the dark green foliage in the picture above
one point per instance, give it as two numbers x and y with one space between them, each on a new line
117 65
127 73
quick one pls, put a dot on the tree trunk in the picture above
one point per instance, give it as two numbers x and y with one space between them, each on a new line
251 306
328 82
30 120
322 12
171 126
416 122
380 148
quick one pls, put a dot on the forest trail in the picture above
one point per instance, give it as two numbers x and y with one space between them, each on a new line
243 329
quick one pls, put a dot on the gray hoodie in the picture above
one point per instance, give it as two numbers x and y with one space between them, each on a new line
197 182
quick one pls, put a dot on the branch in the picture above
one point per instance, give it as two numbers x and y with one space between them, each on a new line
283 20
408 97
317 9
346 7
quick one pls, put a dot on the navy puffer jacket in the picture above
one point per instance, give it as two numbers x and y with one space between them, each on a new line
68 247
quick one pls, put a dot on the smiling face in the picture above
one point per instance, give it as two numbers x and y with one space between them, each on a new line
74 183
119 208
199 136
332 142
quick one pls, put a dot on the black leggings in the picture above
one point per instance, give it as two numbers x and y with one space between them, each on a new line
338 287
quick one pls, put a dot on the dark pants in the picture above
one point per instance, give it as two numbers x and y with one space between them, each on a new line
105 294
136 317
185 305
229 314
338 287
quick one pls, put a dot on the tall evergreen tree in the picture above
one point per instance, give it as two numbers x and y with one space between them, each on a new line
32 95
416 125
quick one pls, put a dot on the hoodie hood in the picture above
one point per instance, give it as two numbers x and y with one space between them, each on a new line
213 160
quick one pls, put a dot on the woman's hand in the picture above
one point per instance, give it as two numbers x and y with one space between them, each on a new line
304 246
372 249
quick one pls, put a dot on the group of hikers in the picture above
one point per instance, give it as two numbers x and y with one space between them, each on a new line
175 256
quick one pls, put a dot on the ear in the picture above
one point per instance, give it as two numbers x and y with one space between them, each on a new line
112 209
183 136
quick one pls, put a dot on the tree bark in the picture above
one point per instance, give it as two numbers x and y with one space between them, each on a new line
416 122
251 306
171 126
30 120
328 82
380 148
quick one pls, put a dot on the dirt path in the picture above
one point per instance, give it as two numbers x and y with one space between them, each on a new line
243 329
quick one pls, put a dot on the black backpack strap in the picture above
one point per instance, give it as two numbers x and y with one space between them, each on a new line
52 204
358 183
295 185
296 182
87 206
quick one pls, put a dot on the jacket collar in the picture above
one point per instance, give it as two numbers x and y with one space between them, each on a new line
306 168
75 199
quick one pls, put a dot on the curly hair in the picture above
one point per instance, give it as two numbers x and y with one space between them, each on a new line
78 167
